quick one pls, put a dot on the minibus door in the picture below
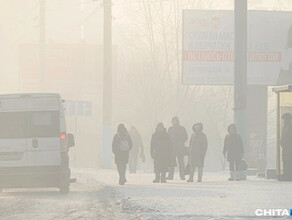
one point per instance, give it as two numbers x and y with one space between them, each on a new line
44 141
13 142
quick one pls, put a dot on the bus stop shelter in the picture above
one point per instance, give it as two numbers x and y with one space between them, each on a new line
284 105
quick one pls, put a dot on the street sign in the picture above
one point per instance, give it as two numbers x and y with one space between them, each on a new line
78 108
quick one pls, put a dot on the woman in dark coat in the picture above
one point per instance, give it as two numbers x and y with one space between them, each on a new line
233 149
161 152
121 146
286 143
198 149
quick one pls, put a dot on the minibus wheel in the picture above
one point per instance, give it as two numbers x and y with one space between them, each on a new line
64 189
65 183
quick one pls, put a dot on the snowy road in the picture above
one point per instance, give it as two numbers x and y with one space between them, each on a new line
88 199
97 196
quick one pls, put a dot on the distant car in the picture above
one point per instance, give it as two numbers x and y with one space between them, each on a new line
34 143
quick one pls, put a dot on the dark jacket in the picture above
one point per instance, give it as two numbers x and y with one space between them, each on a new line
161 151
178 137
286 142
198 149
121 155
233 146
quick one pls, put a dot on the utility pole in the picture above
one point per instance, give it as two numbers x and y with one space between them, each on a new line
42 45
240 67
107 85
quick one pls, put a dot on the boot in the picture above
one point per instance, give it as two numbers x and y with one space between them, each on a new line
231 176
191 177
121 182
170 174
200 174
200 177
236 176
163 177
157 178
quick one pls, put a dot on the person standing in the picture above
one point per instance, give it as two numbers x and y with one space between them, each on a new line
121 146
286 143
161 152
233 150
197 153
178 137
137 148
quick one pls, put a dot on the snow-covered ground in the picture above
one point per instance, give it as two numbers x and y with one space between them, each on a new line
96 195
215 198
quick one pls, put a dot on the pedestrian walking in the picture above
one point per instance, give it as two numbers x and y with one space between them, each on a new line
233 150
178 137
197 152
136 149
161 153
286 143
121 146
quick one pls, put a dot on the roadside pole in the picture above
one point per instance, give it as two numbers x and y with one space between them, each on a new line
240 68
107 86
42 45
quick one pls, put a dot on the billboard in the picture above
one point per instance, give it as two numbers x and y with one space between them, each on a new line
208 47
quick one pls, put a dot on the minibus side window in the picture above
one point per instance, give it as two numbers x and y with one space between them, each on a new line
44 124
13 125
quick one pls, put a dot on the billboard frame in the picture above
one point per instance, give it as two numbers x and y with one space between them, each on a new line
182 56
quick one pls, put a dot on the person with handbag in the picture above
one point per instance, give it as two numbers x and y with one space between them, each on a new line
121 146
197 152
